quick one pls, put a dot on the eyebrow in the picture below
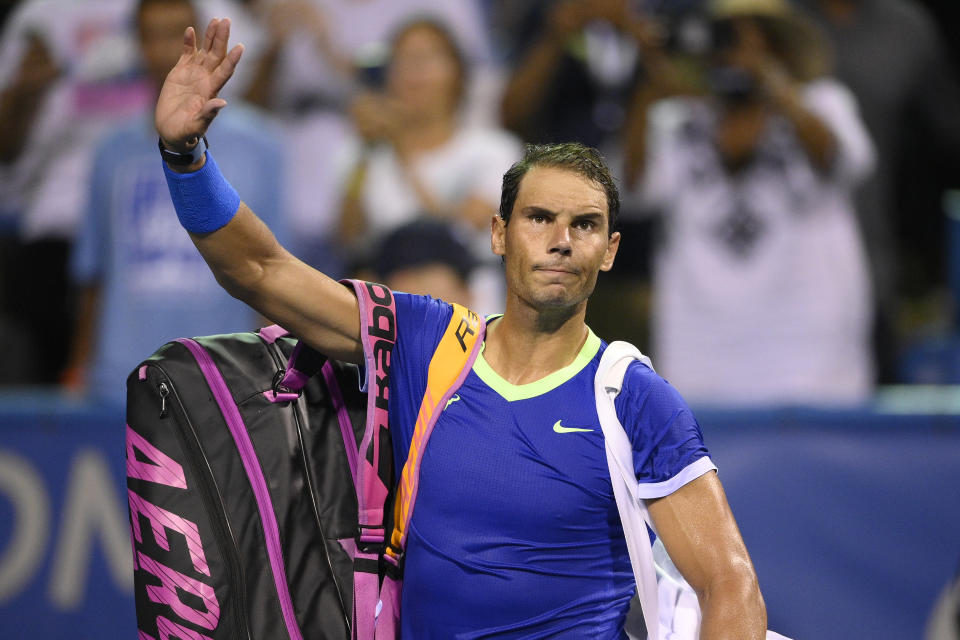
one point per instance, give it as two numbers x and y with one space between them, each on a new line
587 215
591 215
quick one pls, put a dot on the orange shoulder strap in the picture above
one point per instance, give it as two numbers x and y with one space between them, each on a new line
448 368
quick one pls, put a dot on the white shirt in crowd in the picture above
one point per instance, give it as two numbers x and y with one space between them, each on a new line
471 163
762 294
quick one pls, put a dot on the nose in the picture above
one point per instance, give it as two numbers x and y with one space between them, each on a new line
560 243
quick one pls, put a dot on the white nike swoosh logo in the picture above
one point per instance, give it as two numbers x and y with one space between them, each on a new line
560 429
454 398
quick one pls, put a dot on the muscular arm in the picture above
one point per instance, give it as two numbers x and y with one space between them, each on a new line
252 266
699 532
245 257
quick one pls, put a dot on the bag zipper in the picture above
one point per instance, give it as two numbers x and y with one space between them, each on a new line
251 465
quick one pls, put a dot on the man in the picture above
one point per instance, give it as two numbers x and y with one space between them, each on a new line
760 272
515 532
130 258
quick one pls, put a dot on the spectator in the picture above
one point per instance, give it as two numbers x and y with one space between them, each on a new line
414 157
62 81
428 258
574 78
317 56
761 288
317 51
142 280
65 80
910 98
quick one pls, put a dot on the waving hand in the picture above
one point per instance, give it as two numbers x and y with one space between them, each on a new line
188 100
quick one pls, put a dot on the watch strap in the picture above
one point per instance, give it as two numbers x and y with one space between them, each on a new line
183 159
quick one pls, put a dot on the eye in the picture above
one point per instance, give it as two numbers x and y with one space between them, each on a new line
585 225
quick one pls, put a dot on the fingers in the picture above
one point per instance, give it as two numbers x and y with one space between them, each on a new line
220 38
234 56
215 43
189 41
225 69
212 108
209 34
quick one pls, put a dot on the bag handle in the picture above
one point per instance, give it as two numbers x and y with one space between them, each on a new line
304 363
372 464
374 471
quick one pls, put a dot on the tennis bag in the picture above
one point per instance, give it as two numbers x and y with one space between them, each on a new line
251 508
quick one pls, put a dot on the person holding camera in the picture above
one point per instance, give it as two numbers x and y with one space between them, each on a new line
761 286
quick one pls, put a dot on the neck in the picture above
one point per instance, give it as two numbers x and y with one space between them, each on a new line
526 344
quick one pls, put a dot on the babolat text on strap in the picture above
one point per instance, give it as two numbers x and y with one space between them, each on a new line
378 333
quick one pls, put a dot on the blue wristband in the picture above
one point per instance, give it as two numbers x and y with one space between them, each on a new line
204 200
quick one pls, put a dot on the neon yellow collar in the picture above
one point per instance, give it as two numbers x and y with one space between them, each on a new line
512 392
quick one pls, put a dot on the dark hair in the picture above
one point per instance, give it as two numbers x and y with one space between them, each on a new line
423 242
573 156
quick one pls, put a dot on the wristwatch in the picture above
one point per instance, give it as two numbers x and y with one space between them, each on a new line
183 159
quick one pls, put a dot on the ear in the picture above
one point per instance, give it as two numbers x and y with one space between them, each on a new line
612 245
498 235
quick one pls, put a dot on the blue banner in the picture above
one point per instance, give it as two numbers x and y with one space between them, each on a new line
851 518
66 569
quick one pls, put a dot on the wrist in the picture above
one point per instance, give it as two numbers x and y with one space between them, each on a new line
182 159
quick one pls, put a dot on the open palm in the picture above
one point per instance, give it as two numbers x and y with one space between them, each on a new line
188 100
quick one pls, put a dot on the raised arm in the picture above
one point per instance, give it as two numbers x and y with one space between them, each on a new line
243 254
698 530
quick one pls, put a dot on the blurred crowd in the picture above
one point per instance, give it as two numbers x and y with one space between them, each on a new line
785 168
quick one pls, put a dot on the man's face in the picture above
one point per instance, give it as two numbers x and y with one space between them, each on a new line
160 27
557 240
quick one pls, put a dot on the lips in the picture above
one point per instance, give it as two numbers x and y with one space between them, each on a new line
555 269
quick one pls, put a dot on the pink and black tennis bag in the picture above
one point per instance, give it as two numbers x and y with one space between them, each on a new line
258 479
